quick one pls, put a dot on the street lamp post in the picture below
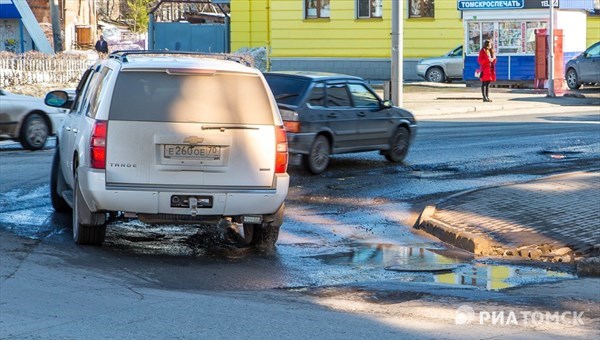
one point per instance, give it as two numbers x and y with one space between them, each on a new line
551 52
397 67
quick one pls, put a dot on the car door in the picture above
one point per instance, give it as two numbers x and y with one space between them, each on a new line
340 115
454 65
373 120
589 67
70 126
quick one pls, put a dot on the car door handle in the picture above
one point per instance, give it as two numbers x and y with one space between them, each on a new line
332 115
75 130
68 128
361 114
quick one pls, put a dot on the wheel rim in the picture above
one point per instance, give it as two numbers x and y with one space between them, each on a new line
37 132
400 143
571 79
435 75
320 155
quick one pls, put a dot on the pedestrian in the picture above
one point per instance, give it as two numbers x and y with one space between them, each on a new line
102 46
487 69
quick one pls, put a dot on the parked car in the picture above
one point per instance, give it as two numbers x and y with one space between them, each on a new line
444 68
27 119
585 68
167 138
326 113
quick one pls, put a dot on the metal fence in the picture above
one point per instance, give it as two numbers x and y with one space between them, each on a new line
34 68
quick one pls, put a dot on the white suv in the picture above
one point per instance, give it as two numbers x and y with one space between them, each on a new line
169 137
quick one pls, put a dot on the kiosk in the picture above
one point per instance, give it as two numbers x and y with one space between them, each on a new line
511 25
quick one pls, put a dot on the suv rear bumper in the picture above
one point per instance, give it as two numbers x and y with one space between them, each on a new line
225 202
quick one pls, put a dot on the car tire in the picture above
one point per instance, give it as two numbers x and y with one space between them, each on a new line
34 132
399 143
89 228
57 181
318 158
435 75
572 79
263 236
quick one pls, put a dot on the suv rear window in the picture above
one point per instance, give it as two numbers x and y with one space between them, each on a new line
287 90
220 97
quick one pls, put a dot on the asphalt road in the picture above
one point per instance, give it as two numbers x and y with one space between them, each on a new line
343 229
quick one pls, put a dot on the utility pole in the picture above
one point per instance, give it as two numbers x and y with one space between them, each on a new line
551 52
56 26
397 49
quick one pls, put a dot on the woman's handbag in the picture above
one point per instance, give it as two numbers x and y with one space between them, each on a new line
477 73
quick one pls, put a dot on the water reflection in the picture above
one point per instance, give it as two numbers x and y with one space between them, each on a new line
441 266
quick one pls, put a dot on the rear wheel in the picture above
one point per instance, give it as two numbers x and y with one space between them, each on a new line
573 79
261 236
399 144
57 183
435 75
34 132
88 227
318 158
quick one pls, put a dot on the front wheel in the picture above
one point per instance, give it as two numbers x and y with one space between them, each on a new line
573 79
318 158
34 132
88 227
435 75
399 144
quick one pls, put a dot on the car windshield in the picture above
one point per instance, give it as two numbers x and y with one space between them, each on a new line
222 97
287 90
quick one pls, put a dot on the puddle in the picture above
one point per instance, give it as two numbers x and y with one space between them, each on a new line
441 266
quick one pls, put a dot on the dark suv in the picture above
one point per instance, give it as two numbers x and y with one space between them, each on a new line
327 113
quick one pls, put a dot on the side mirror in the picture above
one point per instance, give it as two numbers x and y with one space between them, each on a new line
57 99
386 104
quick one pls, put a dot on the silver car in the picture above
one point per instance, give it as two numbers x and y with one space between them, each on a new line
585 68
444 68
169 138
27 119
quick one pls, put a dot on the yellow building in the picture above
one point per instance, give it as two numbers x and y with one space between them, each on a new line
349 36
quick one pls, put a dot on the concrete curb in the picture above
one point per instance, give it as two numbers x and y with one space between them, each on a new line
484 246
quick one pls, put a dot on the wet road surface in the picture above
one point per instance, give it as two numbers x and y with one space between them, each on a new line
351 224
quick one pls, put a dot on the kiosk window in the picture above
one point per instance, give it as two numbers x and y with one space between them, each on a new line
478 33
421 9
530 34
510 37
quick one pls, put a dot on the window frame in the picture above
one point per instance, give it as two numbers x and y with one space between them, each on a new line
412 15
372 6
320 11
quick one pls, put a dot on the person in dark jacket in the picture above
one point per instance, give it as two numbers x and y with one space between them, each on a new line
101 46
487 67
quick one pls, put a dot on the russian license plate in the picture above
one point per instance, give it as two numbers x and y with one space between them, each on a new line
193 152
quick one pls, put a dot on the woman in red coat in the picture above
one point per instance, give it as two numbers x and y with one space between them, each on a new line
487 67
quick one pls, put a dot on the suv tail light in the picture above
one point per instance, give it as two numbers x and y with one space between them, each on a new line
98 145
281 158
291 121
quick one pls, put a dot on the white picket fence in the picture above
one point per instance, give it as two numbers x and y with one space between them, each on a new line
34 68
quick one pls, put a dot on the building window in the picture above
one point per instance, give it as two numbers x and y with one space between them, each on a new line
421 8
316 9
369 8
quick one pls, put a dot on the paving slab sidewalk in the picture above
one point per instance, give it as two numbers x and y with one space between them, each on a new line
427 101
556 219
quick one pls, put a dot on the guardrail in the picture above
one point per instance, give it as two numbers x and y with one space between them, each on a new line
34 67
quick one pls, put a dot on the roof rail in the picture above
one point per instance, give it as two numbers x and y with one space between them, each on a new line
122 55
